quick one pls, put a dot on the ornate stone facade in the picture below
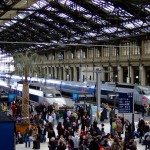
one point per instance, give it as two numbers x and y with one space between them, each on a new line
127 62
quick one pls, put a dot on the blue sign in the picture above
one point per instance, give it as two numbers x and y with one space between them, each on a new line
93 113
75 97
125 104
11 97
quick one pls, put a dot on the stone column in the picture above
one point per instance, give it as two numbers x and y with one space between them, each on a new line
142 75
64 73
55 72
131 75
120 74
111 73
52 72
47 72
60 75
74 73
70 74
102 73
57 76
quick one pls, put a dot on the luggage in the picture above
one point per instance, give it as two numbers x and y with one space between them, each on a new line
20 141
37 144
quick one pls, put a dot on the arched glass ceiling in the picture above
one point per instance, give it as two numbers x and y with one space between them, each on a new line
76 21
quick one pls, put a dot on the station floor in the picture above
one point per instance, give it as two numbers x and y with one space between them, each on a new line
44 146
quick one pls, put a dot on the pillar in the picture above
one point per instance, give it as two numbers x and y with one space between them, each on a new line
47 72
120 74
131 75
64 73
142 75
59 74
111 73
50 72
102 73
70 74
74 74
55 72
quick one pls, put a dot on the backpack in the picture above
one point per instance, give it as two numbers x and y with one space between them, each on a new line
148 138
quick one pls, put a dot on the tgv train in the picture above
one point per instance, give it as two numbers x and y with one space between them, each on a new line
108 89
37 93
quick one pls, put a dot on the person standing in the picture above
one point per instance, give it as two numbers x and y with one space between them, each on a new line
28 134
119 128
52 144
51 132
143 110
57 117
34 136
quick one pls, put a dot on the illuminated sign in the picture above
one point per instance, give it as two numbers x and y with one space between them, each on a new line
75 96
11 97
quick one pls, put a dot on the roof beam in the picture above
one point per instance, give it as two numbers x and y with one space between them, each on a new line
98 11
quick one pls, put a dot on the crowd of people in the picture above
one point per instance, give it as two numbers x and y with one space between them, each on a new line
77 131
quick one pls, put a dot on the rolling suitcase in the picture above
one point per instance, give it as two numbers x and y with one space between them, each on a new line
37 144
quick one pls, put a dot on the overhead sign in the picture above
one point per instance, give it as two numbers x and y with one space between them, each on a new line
75 97
125 103
11 97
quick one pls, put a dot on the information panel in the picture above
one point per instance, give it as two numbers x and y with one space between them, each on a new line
93 113
125 104
75 97
11 97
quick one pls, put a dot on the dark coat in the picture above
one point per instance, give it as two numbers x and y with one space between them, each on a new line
61 147
51 133
52 145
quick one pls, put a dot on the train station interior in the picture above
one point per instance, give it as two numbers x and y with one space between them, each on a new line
75 36
99 41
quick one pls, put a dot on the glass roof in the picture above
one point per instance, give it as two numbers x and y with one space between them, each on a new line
82 21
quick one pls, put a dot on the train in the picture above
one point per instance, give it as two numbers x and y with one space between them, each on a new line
37 93
109 90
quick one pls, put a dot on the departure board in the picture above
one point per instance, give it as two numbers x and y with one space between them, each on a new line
125 103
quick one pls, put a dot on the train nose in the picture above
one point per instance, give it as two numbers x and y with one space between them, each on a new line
146 99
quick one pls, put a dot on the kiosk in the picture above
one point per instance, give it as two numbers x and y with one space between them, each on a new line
7 132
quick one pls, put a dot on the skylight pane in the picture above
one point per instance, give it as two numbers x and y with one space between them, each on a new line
88 15
138 23
91 34
21 16
72 5
39 4
77 38
7 24
110 30
148 9
14 21
110 8
51 8
63 15
129 25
